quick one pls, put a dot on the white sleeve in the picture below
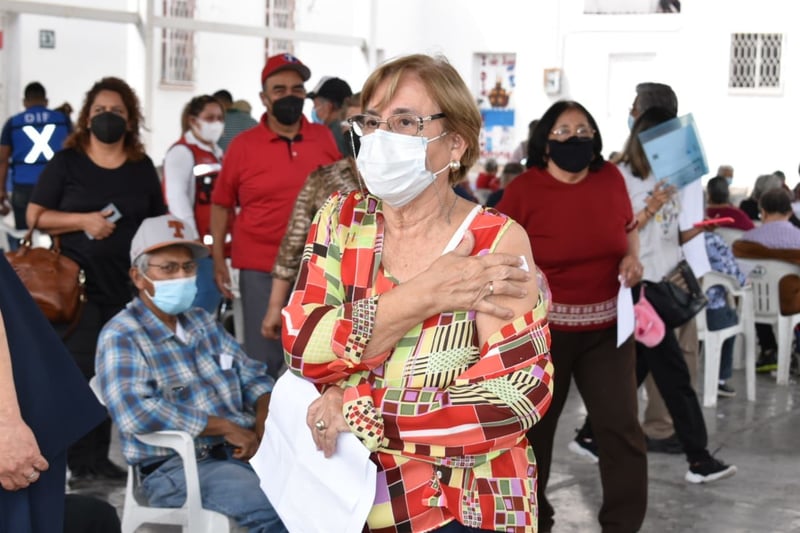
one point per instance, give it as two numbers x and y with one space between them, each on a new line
690 198
179 187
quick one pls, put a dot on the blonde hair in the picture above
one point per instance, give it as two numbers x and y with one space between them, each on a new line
446 87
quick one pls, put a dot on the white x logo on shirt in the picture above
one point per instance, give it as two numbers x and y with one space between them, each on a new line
40 143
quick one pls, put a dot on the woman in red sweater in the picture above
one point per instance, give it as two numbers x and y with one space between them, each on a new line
576 210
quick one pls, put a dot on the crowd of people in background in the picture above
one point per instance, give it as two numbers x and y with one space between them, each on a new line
357 237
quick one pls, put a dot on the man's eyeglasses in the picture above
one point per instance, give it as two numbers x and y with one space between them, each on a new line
583 132
172 268
404 123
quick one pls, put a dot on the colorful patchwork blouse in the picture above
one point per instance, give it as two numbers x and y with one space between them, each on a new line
445 417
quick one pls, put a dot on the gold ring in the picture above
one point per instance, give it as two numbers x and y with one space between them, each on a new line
320 425
491 288
33 475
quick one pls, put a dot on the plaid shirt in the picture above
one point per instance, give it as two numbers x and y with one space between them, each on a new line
151 380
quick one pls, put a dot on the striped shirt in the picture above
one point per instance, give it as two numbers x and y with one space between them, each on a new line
151 380
445 417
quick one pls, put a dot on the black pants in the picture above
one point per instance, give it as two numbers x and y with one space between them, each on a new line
766 338
92 448
20 197
87 514
606 378
672 378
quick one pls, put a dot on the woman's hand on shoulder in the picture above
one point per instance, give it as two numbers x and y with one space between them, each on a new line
483 283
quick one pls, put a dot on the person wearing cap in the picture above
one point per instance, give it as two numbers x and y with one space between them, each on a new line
163 365
263 171
328 97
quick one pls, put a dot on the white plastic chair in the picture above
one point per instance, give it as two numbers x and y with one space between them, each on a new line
729 234
191 516
236 312
8 231
765 275
712 340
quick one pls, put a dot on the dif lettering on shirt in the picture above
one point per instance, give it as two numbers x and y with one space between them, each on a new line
33 117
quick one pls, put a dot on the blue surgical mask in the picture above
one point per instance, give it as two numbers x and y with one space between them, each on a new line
631 120
173 296
314 117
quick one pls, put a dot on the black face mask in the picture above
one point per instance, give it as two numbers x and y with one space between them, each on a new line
287 110
108 127
572 155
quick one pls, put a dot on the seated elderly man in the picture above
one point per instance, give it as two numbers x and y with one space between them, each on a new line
161 365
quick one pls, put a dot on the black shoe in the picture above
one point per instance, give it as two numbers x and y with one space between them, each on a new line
108 470
709 470
725 391
767 361
669 445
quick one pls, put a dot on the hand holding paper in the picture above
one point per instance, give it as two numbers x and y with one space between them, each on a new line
295 474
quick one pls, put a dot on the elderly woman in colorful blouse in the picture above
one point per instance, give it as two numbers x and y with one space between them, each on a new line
420 318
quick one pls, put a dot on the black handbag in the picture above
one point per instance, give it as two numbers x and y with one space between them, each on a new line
678 297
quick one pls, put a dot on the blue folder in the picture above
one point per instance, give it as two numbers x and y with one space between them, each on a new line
674 151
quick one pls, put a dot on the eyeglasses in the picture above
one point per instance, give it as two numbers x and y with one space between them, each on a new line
171 268
583 132
404 123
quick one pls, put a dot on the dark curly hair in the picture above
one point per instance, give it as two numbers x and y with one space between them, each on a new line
79 139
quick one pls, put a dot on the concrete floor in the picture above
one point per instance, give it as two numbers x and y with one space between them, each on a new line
761 438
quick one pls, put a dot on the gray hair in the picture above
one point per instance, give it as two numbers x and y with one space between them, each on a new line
141 263
764 183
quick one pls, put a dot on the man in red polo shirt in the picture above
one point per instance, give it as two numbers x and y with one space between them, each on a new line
263 171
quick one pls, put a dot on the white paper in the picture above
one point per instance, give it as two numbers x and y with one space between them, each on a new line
625 320
691 202
226 361
311 494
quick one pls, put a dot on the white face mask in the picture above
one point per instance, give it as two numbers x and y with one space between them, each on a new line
393 166
210 131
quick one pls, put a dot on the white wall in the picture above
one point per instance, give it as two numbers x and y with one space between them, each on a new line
85 51
602 57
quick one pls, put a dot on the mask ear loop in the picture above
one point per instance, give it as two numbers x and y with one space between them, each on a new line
358 172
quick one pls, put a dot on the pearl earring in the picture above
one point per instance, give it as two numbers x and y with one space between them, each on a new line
455 165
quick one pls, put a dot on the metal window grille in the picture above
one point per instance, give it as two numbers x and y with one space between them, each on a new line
280 14
755 60
177 46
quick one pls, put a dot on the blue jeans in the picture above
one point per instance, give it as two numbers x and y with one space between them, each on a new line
208 295
719 319
228 486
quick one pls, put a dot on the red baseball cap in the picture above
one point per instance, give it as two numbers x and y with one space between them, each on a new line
281 62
